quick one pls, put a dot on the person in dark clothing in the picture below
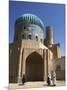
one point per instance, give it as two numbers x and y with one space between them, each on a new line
48 81
23 79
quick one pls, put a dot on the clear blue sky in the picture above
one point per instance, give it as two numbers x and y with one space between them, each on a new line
50 14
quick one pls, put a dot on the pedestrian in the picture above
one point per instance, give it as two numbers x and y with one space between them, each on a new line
49 79
54 78
23 79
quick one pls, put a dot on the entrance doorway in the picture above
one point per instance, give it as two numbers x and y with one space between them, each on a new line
34 67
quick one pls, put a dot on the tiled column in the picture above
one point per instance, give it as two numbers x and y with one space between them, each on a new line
45 64
20 65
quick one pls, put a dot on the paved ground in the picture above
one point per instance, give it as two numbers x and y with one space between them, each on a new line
32 85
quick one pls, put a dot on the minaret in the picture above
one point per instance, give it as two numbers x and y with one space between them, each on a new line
49 36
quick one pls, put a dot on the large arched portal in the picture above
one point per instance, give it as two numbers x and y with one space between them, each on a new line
34 67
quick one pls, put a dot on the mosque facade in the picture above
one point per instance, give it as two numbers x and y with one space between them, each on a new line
33 52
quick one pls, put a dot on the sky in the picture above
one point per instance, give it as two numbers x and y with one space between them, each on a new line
50 14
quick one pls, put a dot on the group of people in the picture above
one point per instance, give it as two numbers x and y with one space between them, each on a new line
51 78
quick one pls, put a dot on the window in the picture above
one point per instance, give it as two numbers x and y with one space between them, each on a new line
24 27
23 36
36 38
58 67
16 37
41 40
29 36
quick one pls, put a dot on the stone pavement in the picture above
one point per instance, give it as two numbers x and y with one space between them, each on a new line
15 86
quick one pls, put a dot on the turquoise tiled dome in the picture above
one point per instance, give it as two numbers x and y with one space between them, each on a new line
33 19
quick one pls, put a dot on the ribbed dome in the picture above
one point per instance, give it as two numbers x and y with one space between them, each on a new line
30 18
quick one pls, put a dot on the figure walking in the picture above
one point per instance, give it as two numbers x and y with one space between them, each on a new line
53 76
49 79
54 79
23 79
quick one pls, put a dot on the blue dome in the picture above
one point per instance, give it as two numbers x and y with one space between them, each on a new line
30 18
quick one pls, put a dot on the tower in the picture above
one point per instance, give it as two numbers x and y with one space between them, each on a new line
49 36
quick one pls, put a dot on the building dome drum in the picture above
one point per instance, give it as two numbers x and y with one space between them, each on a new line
29 26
